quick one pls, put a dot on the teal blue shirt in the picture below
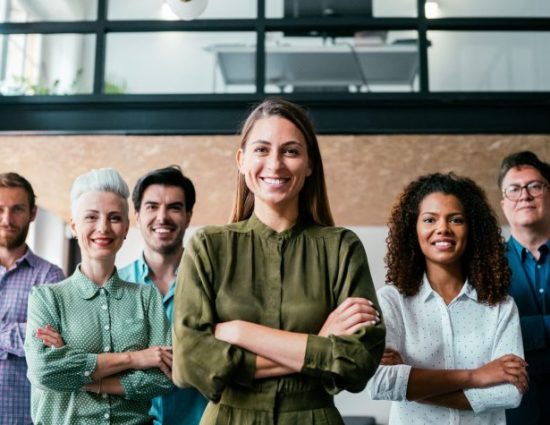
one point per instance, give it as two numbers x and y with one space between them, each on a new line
182 406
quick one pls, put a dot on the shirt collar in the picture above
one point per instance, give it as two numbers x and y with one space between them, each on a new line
29 257
521 251
426 291
144 268
89 289
142 265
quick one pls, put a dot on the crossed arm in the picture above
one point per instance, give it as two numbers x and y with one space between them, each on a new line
282 352
136 375
445 387
106 377
496 384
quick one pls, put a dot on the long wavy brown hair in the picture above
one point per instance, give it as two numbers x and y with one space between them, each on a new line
483 261
314 207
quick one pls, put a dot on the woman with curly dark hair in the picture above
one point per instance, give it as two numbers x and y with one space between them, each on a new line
454 351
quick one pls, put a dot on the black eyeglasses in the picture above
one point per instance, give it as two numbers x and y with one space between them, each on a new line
534 188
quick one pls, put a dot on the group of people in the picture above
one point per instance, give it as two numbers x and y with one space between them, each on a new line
268 317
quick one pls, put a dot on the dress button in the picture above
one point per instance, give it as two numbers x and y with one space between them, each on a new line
107 348
87 373
104 307
102 290
106 416
541 291
539 266
106 327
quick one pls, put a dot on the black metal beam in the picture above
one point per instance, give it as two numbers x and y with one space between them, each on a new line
100 47
385 114
474 24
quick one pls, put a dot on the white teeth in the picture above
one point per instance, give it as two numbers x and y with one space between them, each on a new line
443 244
273 181
162 230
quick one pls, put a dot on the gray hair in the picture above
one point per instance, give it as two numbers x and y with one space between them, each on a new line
99 180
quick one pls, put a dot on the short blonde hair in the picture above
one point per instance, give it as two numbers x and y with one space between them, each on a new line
99 180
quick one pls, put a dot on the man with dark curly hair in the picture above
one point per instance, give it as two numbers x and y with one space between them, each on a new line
454 349
525 184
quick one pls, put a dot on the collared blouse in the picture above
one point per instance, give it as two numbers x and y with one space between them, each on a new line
118 317
290 280
429 334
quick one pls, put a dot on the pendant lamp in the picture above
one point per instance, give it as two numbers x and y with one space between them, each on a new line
187 9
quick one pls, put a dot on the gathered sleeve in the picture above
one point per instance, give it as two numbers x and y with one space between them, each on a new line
507 340
391 382
200 359
347 362
149 383
47 365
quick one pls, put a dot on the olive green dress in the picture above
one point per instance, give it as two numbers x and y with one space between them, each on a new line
291 281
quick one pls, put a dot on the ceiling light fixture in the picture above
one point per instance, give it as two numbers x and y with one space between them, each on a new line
431 9
187 9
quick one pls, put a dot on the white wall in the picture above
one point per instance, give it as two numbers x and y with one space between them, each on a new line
48 238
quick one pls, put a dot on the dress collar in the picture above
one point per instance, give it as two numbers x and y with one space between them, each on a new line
255 224
89 289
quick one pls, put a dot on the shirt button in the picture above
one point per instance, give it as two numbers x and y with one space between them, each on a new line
107 348
104 395
104 307
106 327
87 373
539 266
106 416
541 291
102 290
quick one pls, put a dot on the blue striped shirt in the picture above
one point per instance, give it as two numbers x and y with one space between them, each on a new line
15 285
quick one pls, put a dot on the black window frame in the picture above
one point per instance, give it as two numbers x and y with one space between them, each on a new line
421 112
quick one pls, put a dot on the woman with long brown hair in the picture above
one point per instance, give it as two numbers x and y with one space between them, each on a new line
454 350
272 313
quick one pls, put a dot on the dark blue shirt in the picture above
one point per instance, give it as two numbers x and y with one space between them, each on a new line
538 274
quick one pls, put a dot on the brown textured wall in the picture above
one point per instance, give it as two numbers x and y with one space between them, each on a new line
364 173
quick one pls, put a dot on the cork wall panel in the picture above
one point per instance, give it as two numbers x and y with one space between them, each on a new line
364 174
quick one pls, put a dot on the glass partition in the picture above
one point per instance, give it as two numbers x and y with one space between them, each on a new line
46 64
371 61
159 10
492 8
489 61
340 8
50 10
177 62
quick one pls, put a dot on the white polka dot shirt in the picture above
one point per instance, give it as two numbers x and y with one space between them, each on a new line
465 334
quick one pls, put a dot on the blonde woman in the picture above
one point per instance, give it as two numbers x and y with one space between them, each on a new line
97 347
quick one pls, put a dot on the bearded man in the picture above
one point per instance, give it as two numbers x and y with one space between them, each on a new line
20 270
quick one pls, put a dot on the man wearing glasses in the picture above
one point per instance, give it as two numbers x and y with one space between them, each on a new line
524 180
